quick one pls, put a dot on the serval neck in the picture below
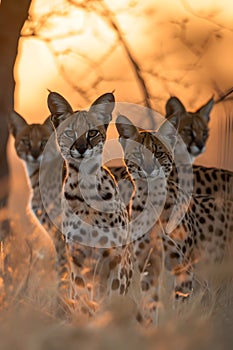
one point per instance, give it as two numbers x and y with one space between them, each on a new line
150 188
147 204
32 170
82 177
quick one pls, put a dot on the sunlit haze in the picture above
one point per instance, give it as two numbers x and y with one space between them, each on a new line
182 48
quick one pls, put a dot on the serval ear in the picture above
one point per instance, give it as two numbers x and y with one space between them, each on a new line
48 123
103 107
175 110
205 110
126 129
174 107
16 123
60 108
168 134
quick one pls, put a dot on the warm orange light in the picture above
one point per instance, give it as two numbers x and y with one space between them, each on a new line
180 47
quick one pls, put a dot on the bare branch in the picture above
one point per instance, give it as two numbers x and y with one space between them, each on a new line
223 96
110 18
209 19
113 22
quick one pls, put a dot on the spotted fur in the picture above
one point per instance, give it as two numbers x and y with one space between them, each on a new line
149 158
95 220
200 225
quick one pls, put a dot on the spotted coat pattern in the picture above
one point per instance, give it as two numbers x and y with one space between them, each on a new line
94 218
200 230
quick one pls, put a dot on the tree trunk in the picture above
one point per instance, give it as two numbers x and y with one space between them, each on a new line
13 14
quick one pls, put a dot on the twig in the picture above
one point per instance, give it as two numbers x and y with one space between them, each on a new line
223 97
189 9
137 71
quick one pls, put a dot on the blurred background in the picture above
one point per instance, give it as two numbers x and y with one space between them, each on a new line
144 51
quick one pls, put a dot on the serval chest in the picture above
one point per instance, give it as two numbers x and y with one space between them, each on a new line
93 213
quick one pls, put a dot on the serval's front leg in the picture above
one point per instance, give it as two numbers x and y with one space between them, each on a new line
177 255
99 274
63 269
148 251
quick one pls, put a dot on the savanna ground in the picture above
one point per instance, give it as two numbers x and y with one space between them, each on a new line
30 319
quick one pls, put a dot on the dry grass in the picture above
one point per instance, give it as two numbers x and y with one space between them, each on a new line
31 322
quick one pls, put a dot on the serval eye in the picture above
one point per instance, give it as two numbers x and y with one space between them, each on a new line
69 133
26 142
93 133
187 132
43 143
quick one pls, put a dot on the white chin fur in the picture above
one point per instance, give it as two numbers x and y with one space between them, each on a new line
195 151
34 160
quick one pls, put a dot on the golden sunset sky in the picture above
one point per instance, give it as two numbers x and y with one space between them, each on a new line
183 48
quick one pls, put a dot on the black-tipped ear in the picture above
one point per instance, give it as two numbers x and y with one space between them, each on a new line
58 107
205 110
16 123
174 107
103 107
126 128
